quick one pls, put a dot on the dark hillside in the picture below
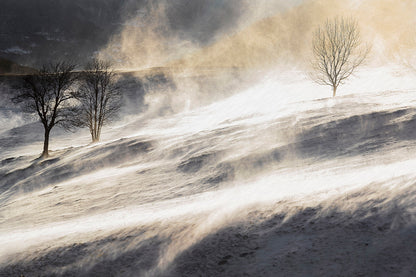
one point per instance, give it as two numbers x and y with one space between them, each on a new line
8 67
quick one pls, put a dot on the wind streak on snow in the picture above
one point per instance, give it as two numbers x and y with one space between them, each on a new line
217 207
189 175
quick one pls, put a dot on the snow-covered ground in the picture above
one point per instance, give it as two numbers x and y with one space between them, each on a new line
276 180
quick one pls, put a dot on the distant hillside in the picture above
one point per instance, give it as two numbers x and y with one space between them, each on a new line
8 67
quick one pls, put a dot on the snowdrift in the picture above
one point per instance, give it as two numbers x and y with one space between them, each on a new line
271 181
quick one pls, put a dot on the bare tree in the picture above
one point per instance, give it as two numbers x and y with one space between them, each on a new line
99 97
47 93
338 51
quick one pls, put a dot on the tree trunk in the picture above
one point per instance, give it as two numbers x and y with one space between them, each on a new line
334 91
95 131
95 136
45 152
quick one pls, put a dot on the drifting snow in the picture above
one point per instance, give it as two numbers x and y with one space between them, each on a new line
273 181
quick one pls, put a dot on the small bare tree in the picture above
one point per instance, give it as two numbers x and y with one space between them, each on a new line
47 93
99 97
338 51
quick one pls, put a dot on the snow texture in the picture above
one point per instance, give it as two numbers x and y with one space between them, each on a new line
275 180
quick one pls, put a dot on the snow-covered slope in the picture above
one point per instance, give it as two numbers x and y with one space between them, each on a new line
273 181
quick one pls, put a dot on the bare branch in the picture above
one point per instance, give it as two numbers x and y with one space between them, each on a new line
337 52
46 93
99 97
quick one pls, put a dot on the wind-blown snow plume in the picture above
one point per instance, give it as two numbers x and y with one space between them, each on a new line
244 40
240 164
244 34
171 183
165 31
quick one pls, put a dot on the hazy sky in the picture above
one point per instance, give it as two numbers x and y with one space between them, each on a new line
162 31
153 32
32 31
201 20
